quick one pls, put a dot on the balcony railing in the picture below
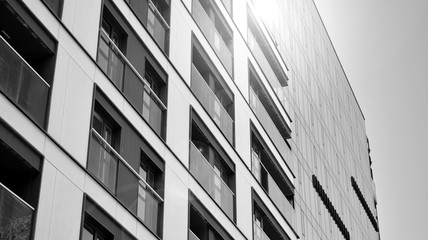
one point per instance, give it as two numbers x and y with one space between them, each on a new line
148 205
157 26
259 234
213 36
274 192
270 127
16 216
192 236
211 181
119 69
21 83
212 104
103 163
267 69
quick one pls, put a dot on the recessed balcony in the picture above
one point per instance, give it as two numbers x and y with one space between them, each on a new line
120 71
212 104
271 187
214 38
271 129
22 84
104 163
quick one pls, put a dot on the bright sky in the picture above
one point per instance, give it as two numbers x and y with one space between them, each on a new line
383 47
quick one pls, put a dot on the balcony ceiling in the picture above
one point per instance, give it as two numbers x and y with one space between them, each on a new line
20 36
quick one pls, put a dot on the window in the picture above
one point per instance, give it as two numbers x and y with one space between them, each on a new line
94 231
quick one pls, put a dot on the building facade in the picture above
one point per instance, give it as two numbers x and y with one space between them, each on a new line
178 119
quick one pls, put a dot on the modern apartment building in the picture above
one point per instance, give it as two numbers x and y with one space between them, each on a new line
178 119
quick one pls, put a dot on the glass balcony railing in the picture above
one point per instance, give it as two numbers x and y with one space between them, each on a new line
274 192
119 69
212 104
16 216
148 206
211 181
157 26
192 236
259 234
103 163
153 110
21 84
213 36
267 70
270 127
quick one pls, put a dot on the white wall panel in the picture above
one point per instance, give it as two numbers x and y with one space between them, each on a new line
73 49
242 130
100 195
86 24
66 209
21 123
68 9
144 233
244 215
180 43
64 164
44 210
176 207
58 90
126 219
178 120
77 111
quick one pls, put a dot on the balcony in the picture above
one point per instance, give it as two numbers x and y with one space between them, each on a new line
192 236
157 26
16 216
270 128
212 104
259 234
213 36
266 68
273 190
119 70
211 181
22 84
103 163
